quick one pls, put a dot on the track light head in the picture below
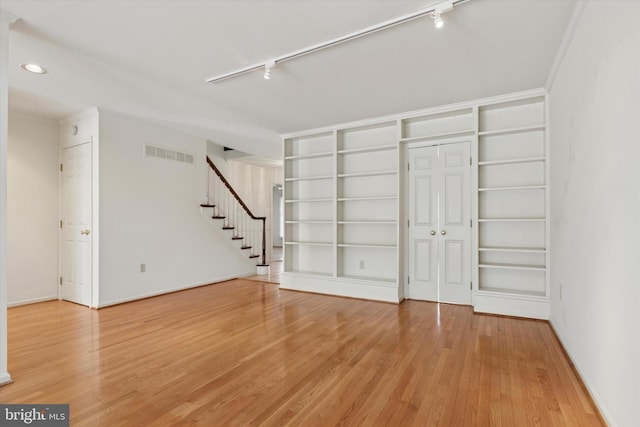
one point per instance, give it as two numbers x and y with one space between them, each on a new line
267 69
437 19
438 11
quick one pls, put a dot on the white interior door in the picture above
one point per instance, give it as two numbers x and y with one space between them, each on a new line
440 228
76 256
424 177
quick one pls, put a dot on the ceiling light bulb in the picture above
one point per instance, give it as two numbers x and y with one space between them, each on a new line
33 68
437 19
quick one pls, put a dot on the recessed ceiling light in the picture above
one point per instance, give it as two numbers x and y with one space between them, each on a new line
33 68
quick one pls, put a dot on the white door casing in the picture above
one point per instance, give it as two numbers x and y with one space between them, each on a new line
76 234
439 218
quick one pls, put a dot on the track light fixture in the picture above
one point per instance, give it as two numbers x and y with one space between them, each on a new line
437 19
438 11
433 11
267 69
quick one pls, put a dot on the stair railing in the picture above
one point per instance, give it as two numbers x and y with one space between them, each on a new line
236 216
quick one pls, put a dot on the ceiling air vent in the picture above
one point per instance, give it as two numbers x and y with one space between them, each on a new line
167 153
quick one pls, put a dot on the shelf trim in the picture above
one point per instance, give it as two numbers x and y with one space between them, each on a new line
369 149
299 243
516 187
310 221
361 174
443 135
519 129
309 156
513 267
488 290
512 161
308 273
537 219
365 199
328 199
367 279
309 178
365 222
513 249
363 245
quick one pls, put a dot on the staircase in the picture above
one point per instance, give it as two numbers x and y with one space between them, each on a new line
227 207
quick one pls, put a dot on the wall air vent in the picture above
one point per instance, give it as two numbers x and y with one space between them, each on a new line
167 153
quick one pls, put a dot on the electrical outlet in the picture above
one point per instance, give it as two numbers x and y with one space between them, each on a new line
361 265
143 268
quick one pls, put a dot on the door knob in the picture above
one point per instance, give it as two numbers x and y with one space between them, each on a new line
443 232
85 232
433 232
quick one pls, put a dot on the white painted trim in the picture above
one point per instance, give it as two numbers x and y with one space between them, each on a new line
6 19
608 418
569 32
5 378
416 113
168 291
512 305
338 286
32 301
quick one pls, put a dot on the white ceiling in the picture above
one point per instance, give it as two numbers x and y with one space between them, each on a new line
150 59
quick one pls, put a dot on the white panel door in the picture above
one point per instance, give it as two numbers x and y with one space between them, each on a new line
424 182
439 218
454 222
76 262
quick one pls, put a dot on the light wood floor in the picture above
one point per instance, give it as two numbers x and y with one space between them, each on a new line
246 353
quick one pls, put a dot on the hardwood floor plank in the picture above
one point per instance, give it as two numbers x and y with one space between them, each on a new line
243 353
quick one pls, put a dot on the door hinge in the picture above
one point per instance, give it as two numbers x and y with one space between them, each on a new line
470 161
470 285
471 223
60 223
408 223
408 166
408 280
61 280
61 167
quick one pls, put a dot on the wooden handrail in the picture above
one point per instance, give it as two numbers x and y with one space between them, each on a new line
245 207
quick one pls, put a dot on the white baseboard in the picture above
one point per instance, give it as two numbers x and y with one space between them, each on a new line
31 301
604 412
163 292
5 378
340 287
512 305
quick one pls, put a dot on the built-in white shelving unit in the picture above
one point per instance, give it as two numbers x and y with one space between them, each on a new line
513 232
345 203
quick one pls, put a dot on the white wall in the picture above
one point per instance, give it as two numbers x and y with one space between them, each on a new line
595 189
149 213
32 209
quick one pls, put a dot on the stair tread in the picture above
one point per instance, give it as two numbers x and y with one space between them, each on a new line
246 247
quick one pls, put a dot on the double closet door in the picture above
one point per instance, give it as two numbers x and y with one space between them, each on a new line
440 223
